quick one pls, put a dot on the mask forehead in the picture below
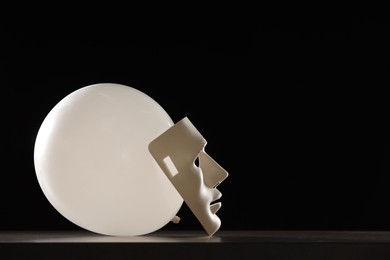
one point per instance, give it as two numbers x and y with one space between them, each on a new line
182 143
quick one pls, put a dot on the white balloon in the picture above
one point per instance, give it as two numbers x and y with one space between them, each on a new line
92 161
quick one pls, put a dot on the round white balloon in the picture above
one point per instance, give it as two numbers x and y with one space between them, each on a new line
92 161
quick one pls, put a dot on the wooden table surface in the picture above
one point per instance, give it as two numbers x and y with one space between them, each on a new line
224 244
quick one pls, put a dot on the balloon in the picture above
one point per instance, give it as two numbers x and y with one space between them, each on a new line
92 161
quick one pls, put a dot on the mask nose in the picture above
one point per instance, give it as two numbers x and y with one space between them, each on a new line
213 173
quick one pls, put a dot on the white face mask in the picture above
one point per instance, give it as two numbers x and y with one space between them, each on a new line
176 152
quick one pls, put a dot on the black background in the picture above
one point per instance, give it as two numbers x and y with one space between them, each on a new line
293 104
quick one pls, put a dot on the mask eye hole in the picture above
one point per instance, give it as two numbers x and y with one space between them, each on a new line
170 166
